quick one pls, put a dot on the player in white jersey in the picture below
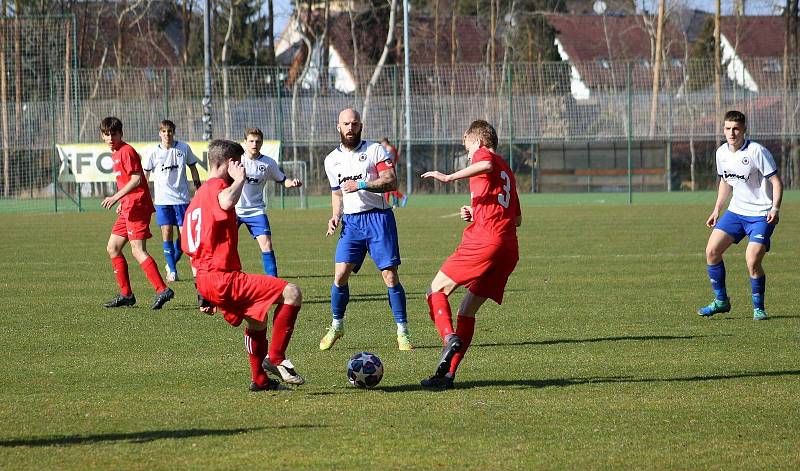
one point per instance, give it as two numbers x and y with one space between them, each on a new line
747 170
359 172
251 208
165 165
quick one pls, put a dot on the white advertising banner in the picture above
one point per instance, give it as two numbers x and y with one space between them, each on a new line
89 163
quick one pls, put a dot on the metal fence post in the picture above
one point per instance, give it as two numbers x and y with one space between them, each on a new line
509 83
629 73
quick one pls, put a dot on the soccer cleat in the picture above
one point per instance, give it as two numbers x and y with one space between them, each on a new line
404 201
760 315
120 301
285 371
451 346
171 275
715 307
404 342
162 298
438 382
272 385
330 338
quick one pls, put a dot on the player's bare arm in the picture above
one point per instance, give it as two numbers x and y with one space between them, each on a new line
110 201
466 213
195 176
229 196
386 181
292 183
723 193
777 196
478 168
337 208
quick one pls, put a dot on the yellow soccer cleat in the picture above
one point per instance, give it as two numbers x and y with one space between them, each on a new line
330 338
404 342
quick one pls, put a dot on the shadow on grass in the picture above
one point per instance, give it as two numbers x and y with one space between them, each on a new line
633 338
359 297
135 437
563 382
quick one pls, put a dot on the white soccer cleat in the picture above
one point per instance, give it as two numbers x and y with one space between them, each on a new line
285 371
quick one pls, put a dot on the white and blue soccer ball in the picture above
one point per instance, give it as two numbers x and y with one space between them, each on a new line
364 370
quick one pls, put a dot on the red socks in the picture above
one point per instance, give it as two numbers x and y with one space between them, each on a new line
153 274
464 329
440 313
121 274
255 341
282 327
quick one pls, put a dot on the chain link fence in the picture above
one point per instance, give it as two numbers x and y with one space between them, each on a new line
563 126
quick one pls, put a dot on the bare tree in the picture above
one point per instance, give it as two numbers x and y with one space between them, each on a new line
657 67
376 73
225 57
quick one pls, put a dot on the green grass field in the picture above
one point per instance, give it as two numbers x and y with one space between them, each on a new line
595 360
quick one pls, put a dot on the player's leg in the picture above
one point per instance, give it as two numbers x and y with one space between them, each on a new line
397 303
116 242
283 321
151 271
465 326
718 243
256 344
165 218
268 260
754 255
180 213
340 297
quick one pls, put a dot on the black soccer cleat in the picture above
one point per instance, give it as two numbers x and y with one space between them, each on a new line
272 385
451 346
121 301
438 382
162 298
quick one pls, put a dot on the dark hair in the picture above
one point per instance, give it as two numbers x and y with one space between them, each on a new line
254 132
167 124
483 131
736 117
110 125
220 150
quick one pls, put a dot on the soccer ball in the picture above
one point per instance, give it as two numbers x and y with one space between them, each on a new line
364 370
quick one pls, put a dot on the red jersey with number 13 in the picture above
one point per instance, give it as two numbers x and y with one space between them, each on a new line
210 235
495 204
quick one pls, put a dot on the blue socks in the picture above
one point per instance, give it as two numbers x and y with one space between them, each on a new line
716 274
340 296
397 301
270 265
758 286
169 255
176 251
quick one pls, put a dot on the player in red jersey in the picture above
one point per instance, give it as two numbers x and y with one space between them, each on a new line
133 220
395 197
210 236
487 254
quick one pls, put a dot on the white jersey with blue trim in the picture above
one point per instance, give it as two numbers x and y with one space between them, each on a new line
360 164
167 169
747 170
257 171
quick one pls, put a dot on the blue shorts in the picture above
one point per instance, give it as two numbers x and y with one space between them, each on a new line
170 214
257 225
754 227
372 231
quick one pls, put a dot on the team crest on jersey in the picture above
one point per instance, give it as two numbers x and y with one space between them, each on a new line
262 168
362 157
745 161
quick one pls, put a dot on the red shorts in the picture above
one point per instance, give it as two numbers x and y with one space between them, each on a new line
482 269
133 225
239 295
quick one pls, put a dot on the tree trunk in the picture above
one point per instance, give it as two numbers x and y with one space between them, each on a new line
717 68
271 33
225 80
376 73
657 68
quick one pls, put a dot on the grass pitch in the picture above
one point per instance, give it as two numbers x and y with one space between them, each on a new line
595 360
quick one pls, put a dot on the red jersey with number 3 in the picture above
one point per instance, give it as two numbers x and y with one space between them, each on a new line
126 163
210 235
495 204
